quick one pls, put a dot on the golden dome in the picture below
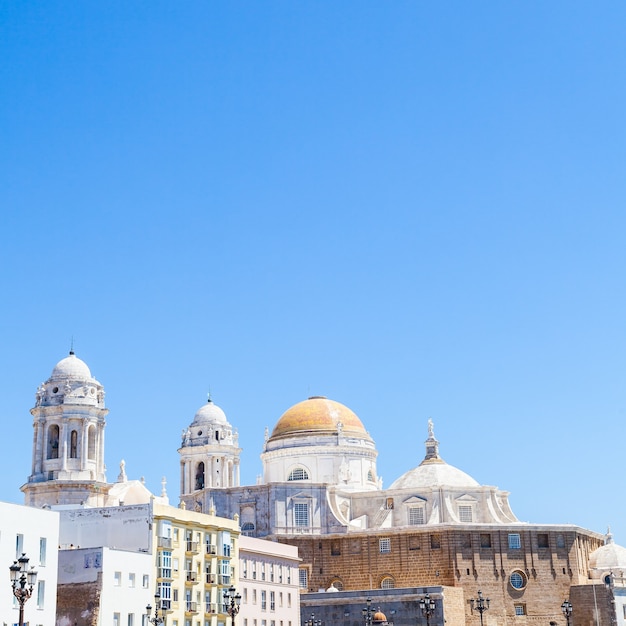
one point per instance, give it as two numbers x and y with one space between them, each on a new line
379 617
317 415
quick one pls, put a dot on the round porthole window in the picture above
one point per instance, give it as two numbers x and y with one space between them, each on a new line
55 390
518 579
199 433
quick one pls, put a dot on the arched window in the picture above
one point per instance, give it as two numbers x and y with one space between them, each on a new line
200 475
73 445
299 473
53 442
370 476
91 443
247 529
387 583
337 584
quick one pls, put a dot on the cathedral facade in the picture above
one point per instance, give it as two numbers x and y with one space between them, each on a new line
434 527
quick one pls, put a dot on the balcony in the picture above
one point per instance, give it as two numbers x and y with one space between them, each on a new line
209 579
224 580
191 607
192 547
211 548
191 577
164 542
211 608
164 572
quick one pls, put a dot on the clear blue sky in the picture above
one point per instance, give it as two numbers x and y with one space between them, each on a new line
414 208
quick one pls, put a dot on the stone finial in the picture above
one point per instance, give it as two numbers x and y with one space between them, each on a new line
163 489
121 477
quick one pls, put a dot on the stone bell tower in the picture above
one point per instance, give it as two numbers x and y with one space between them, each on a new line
68 439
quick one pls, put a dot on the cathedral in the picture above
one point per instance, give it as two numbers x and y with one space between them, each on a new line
434 527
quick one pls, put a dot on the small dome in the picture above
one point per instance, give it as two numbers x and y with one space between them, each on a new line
434 475
210 413
608 557
379 617
71 367
433 471
317 415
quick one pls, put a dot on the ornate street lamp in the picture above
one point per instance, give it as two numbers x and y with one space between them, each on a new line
566 607
233 603
427 606
157 619
313 622
481 605
367 612
22 580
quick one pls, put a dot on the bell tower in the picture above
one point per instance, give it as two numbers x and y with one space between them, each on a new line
68 439
209 453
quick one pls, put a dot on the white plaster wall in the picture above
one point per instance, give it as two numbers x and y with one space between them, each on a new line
268 552
32 524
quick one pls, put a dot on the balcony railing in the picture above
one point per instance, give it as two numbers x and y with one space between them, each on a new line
211 548
164 542
192 546
191 577
191 607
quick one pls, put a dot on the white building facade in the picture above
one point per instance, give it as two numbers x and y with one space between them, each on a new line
35 533
268 583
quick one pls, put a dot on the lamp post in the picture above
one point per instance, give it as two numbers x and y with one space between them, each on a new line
157 619
566 607
427 606
481 605
22 581
233 603
367 612
313 622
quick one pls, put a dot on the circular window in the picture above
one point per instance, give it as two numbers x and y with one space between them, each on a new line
387 583
518 579
199 433
55 390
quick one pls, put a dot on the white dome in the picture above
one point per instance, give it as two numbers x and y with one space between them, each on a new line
209 413
71 367
433 471
434 474
608 557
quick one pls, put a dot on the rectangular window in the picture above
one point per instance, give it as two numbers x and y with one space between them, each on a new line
271 572
301 514
416 515
263 601
262 571
335 547
485 540
117 579
289 601
41 592
542 540
131 619
19 546
435 541
465 513
42 551
244 597
116 619
520 609
146 581
254 596
515 542
384 545
131 580
303 578
560 541
272 601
